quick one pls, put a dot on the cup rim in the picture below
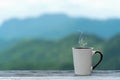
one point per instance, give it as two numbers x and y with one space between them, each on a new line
82 48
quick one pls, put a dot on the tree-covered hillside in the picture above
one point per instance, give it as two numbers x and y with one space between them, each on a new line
46 54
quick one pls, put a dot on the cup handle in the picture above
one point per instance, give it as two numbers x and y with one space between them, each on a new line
101 57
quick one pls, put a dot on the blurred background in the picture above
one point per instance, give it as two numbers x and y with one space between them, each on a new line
39 34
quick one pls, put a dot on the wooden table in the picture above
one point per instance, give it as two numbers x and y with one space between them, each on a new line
58 75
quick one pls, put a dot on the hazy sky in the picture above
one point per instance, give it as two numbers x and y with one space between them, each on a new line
100 9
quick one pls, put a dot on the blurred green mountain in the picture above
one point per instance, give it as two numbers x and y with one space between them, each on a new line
56 26
112 53
49 54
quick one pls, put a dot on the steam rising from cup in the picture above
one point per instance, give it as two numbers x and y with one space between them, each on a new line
82 42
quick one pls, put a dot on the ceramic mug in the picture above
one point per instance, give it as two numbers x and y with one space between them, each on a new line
82 59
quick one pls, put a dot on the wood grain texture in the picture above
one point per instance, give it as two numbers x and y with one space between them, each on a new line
58 75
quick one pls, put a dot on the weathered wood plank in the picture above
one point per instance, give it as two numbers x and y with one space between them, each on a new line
58 75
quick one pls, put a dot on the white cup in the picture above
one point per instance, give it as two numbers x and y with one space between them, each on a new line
82 58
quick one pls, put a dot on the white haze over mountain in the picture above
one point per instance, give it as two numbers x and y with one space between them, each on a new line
96 9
